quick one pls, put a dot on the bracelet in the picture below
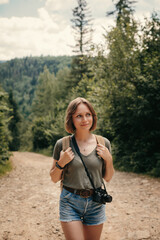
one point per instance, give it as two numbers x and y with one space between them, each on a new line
58 166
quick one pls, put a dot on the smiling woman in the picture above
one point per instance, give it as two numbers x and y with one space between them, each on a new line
82 118
81 216
80 110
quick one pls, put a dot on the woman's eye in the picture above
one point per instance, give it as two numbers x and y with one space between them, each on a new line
88 114
78 116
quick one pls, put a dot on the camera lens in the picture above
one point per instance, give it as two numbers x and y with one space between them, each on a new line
108 198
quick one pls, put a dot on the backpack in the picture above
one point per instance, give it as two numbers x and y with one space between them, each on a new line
66 144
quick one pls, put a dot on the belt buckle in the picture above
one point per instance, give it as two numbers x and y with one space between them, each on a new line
85 193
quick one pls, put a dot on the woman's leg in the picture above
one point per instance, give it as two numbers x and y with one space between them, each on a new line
73 230
92 232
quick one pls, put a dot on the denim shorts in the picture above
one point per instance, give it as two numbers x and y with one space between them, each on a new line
73 207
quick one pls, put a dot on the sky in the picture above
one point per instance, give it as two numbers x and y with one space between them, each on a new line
43 27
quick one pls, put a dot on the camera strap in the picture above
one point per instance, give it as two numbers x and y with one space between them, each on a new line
78 152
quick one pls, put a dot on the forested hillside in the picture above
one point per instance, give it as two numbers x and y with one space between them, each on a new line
121 79
21 76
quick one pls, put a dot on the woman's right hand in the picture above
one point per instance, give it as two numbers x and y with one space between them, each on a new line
66 157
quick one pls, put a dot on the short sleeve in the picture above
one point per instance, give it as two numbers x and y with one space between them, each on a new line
57 149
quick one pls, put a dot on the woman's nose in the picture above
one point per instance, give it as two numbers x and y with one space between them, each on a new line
84 118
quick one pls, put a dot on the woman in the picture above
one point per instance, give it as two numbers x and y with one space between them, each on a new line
81 218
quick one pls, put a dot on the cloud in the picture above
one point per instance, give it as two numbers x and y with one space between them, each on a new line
4 1
48 23
33 36
144 9
47 34
100 26
59 6
99 8
50 33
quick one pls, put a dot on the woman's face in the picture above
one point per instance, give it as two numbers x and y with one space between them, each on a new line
82 118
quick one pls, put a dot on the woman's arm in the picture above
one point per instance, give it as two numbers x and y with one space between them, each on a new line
65 158
109 169
55 173
103 152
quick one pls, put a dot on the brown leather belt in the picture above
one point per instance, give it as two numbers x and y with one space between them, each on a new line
85 193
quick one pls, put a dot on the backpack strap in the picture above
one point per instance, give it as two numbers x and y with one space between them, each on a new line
100 140
65 145
65 142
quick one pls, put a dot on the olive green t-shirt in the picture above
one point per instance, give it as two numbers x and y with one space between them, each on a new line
74 173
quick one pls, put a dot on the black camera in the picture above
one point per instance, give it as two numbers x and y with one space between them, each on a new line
101 196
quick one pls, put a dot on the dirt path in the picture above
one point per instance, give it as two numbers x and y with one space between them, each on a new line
29 204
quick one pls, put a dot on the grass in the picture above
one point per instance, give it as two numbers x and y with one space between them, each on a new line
47 152
5 167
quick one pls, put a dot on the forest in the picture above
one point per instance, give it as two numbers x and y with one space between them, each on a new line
120 78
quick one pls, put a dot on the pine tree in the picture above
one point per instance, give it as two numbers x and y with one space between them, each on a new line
14 144
44 99
123 69
123 11
81 23
4 133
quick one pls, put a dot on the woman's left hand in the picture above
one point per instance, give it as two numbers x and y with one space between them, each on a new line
104 153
